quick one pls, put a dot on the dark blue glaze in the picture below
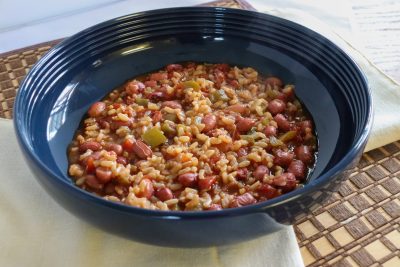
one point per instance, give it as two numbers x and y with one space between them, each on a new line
84 68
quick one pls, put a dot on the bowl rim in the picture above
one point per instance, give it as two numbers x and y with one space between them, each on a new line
258 207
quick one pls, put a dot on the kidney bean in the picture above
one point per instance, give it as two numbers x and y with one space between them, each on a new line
164 194
141 150
287 181
276 106
239 108
134 87
243 151
210 121
157 96
215 207
159 76
171 104
97 109
122 160
174 67
283 158
207 182
260 172
157 116
274 81
148 189
304 154
92 145
222 67
114 147
243 125
282 122
270 131
103 175
150 84
127 145
104 124
219 76
92 182
268 191
234 83
242 173
188 179
117 123
304 125
90 167
243 200
298 168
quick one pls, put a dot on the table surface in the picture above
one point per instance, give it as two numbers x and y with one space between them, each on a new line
360 224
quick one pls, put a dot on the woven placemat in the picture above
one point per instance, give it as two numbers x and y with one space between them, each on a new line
359 226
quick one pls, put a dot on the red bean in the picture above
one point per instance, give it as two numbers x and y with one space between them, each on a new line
117 123
97 109
273 81
157 116
188 179
286 181
122 160
242 173
243 125
242 152
270 130
171 104
207 182
92 182
164 194
276 106
215 207
283 158
304 125
90 167
159 76
174 67
134 87
157 96
268 191
234 83
103 175
142 150
304 154
114 147
92 145
219 76
222 67
298 168
150 84
238 108
260 172
210 121
127 145
282 122
243 200
147 189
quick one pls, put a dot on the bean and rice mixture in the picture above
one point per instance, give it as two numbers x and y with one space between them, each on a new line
195 137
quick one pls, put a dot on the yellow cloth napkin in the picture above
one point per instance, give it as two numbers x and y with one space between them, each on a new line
385 91
36 231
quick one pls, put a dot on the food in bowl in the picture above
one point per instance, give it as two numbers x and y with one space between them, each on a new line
195 137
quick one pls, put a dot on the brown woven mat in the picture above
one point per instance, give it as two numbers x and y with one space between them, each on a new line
358 227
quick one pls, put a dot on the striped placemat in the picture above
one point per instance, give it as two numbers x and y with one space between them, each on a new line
359 226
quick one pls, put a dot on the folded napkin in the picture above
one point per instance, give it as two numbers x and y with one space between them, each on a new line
385 91
36 231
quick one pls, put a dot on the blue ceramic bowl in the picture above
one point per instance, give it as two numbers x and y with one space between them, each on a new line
84 68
